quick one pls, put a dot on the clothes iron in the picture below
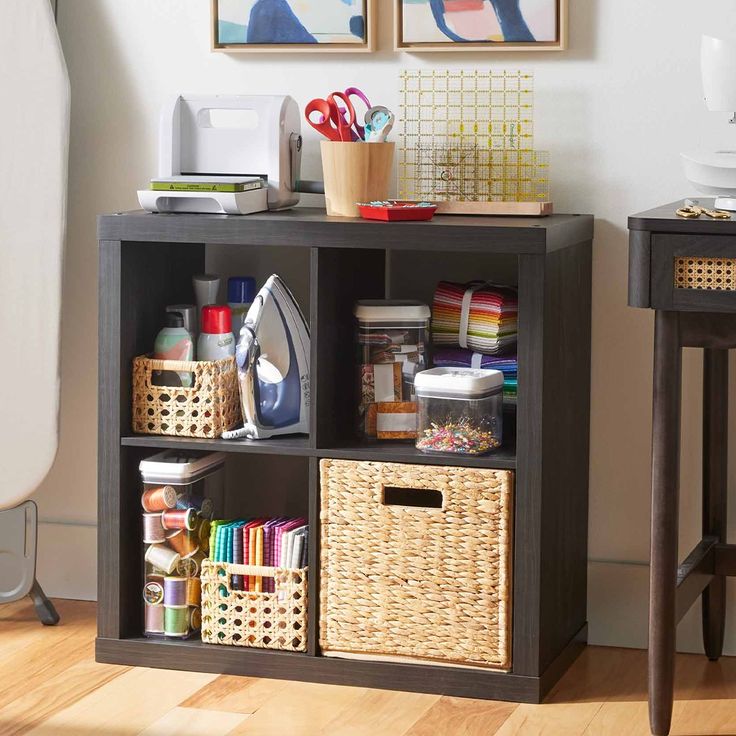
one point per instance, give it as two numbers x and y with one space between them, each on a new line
273 366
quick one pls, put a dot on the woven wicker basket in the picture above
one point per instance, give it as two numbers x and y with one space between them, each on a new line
412 581
249 619
210 407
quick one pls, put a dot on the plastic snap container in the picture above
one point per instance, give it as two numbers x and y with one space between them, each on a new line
460 410
181 492
391 348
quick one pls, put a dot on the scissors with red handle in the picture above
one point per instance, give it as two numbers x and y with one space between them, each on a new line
332 123
342 116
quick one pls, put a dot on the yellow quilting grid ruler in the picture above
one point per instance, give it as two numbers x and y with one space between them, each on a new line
467 142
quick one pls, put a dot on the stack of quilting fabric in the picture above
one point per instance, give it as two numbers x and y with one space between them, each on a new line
462 358
474 325
275 542
477 316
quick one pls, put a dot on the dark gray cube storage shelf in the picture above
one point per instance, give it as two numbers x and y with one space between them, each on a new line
146 262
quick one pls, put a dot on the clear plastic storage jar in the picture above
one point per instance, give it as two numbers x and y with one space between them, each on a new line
391 345
460 410
181 491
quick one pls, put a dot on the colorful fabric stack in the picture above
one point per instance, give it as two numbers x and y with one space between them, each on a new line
476 316
278 542
461 358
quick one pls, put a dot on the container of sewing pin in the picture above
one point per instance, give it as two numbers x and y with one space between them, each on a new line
460 410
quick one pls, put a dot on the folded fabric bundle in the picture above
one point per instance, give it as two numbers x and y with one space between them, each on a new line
462 358
476 316
274 542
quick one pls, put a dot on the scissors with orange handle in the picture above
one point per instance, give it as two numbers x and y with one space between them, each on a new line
334 124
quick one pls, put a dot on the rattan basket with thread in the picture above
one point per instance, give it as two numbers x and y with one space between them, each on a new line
208 408
251 619
412 581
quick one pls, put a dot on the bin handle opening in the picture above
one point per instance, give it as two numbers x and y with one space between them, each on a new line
426 498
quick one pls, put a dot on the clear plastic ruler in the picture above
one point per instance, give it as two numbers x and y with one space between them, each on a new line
469 135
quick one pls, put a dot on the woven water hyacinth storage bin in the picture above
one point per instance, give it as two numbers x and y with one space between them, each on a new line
250 619
208 408
416 563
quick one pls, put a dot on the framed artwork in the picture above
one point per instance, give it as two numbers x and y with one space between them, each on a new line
293 25
480 25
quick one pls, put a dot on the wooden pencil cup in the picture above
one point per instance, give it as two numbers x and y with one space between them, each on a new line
355 172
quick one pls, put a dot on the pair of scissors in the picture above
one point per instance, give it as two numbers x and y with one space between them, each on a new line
331 122
337 122
692 211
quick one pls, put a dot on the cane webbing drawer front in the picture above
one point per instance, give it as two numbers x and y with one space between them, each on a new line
416 562
712 274
692 273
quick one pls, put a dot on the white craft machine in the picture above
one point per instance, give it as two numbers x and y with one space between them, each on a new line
229 135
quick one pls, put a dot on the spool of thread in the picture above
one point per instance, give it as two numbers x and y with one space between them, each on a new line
188 500
155 578
153 531
176 519
154 620
188 567
208 508
204 533
184 542
176 621
162 557
194 593
195 618
153 592
159 499
175 591
199 556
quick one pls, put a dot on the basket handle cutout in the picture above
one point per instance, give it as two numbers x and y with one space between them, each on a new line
426 498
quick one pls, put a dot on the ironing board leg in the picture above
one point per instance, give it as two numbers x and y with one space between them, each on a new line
44 607
665 499
715 485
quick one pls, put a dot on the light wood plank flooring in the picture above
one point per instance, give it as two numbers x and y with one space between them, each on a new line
50 685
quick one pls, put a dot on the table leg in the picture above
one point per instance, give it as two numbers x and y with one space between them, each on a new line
664 519
715 469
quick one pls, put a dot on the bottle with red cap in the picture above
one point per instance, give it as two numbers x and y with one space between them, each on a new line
216 340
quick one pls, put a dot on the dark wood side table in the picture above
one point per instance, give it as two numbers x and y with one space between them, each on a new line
685 270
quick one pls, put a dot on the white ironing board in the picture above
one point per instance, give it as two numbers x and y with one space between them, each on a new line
34 142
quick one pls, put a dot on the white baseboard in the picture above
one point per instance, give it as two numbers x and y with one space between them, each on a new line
618 595
67 560
617 592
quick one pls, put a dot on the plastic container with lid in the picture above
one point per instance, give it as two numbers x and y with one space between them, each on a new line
460 410
181 492
391 348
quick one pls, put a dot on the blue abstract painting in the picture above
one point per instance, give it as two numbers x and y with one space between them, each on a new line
291 22
474 21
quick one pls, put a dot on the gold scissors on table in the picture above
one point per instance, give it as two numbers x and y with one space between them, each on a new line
692 211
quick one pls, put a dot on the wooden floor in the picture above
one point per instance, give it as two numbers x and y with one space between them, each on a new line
51 685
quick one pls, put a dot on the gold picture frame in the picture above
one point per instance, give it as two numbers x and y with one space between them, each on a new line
368 46
560 44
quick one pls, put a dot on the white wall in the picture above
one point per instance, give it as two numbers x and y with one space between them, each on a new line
614 110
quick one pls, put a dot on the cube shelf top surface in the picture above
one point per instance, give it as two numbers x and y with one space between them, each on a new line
308 226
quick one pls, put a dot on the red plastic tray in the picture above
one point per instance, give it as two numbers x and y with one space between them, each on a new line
396 210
